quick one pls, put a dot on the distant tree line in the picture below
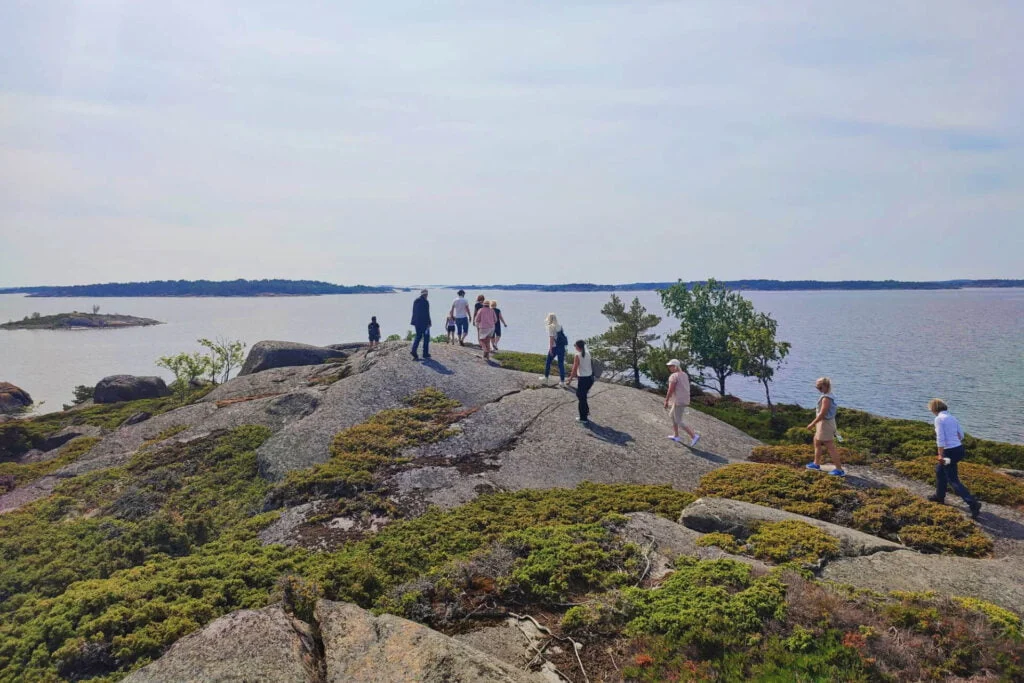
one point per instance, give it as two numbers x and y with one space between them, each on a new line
760 285
200 288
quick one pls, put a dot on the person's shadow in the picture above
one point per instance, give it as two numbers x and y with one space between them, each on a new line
609 435
439 368
708 455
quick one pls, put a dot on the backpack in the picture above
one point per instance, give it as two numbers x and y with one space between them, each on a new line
561 339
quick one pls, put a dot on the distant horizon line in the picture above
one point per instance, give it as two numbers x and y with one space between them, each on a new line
242 287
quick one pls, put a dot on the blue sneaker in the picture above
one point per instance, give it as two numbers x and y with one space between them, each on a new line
813 466
838 473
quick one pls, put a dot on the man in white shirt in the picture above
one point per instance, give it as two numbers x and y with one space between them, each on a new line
949 440
460 311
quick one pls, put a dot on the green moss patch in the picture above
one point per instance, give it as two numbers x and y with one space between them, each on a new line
872 436
983 482
895 514
798 455
524 362
780 542
69 453
358 452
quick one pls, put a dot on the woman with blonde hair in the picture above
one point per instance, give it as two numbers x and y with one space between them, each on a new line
824 426
557 342
499 320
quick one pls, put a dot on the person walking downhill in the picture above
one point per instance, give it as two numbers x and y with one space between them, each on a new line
485 320
949 438
824 426
582 367
460 311
373 330
498 323
557 342
421 323
677 398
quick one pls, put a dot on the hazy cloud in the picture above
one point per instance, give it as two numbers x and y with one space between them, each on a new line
407 142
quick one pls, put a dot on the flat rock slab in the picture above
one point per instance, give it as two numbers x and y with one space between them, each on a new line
672 541
998 581
248 645
359 646
740 519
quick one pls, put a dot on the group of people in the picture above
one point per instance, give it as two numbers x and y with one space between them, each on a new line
949 438
488 320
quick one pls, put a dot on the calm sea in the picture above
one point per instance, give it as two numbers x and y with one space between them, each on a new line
887 352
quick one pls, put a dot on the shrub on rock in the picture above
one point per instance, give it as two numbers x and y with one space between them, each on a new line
894 514
985 483
799 455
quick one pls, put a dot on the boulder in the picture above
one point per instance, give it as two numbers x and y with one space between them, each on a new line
359 646
117 388
13 399
998 581
740 519
265 355
67 434
249 645
671 540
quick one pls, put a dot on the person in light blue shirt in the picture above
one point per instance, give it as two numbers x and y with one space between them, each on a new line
949 438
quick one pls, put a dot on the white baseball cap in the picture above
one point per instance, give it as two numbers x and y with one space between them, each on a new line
675 363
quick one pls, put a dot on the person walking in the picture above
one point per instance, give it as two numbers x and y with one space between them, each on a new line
582 367
373 331
460 311
949 438
449 327
499 321
677 398
485 320
421 323
824 426
557 342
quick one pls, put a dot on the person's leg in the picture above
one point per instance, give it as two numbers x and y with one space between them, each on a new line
582 393
819 447
834 454
953 475
426 342
940 483
547 363
561 363
494 342
416 342
677 417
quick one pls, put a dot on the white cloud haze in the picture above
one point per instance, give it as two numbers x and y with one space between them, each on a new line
407 142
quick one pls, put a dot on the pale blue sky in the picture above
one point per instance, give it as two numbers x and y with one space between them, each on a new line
410 142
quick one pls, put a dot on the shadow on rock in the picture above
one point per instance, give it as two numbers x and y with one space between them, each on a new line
710 456
437 367
609 435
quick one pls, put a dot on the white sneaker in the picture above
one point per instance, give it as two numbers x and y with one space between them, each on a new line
561 385
694 440
543 379
673 437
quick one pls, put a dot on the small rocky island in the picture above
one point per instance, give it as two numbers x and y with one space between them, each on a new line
78 321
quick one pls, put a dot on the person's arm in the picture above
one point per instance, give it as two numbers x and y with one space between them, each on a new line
940 439
575 369
672 379
551 343
825 405
502 319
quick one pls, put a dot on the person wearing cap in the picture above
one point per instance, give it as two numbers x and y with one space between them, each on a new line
421 323
676 399
460 312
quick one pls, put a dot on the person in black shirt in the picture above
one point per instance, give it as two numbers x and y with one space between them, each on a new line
373 329
421 323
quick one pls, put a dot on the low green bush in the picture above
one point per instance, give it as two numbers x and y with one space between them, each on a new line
69 453
983 482
524 362
799 455
895 514
779 543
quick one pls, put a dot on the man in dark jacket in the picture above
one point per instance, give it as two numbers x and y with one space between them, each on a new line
421 323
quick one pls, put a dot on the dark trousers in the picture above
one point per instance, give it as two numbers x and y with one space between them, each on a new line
581 393
422 332
559 353
949 475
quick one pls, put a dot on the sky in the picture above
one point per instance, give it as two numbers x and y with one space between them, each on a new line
503 142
